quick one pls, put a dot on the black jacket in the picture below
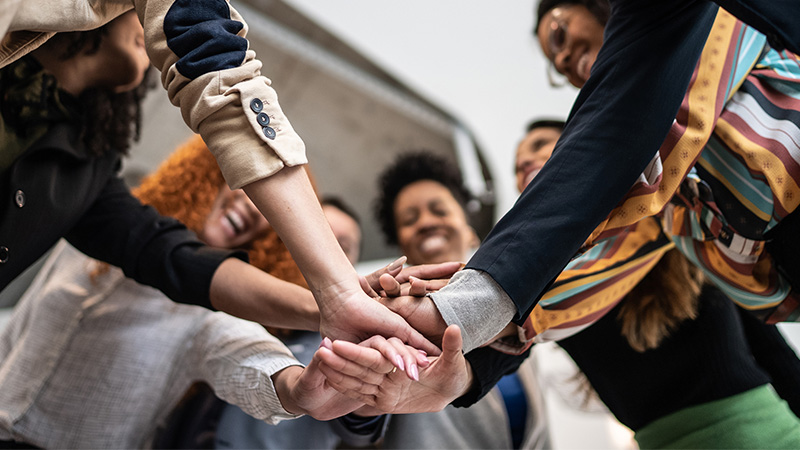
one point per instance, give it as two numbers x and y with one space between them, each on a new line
56 189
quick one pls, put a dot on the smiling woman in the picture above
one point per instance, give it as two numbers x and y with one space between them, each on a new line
571 35
421 208
189 187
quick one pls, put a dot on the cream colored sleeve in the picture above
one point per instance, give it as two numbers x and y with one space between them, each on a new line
234 109
237 359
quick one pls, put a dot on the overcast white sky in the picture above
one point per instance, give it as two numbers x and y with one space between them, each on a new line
476 59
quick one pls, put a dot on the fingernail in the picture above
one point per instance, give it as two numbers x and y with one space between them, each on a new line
413 372
422 351
397 263
422 361
327 343
413 278
398 361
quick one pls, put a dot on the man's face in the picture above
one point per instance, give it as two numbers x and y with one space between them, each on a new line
346 230
534 150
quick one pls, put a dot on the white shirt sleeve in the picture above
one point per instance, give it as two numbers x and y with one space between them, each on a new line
237 359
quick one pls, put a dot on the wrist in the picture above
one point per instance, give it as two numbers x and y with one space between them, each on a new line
330 295
284 382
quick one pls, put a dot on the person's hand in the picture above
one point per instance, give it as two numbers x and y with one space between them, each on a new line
362 373
352 316
394 279
419 312
306 391
415 287
395 354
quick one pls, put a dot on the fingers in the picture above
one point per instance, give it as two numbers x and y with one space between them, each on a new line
396 266
418 287
366 287
393 349
363 362
390 285
372 280
415 339
430 271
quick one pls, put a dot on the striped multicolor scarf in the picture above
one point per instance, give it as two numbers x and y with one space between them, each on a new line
736 136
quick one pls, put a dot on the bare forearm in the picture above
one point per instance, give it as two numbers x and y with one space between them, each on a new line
247 292
288 202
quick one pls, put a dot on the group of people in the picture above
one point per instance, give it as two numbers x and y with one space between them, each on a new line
653 240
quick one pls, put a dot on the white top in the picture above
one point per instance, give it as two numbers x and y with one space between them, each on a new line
101 363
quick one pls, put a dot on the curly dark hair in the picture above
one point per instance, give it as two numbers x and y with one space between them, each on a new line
600 9
408 168
109 121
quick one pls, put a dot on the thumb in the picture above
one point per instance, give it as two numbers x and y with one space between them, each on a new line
389 285
312 377
452 345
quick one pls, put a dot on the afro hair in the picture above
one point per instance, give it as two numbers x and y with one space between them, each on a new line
408 168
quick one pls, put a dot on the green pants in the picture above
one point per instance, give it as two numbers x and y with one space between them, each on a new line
757 418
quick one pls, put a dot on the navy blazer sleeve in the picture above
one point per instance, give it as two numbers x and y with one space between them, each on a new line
488 367
617 124
152 249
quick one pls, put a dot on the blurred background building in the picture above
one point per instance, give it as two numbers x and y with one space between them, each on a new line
354 117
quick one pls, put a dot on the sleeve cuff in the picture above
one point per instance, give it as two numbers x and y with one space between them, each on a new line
477 304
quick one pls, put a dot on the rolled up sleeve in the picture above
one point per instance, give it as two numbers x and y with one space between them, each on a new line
213 76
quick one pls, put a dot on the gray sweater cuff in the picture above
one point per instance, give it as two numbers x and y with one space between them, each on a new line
477 304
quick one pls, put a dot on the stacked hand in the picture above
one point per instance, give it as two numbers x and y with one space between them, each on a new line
306 391
391 332
394 280
364 373
354 317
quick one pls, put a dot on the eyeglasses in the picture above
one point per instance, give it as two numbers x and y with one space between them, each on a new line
557 34
556 42
554 78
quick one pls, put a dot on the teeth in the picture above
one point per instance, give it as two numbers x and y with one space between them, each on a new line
432 244
530 177
235 220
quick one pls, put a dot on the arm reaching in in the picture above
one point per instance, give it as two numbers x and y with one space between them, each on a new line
359 371
346 312
305 391
242 290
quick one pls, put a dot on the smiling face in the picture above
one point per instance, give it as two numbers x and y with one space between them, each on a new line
431 225
534 150
570 37
124 59
233 221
